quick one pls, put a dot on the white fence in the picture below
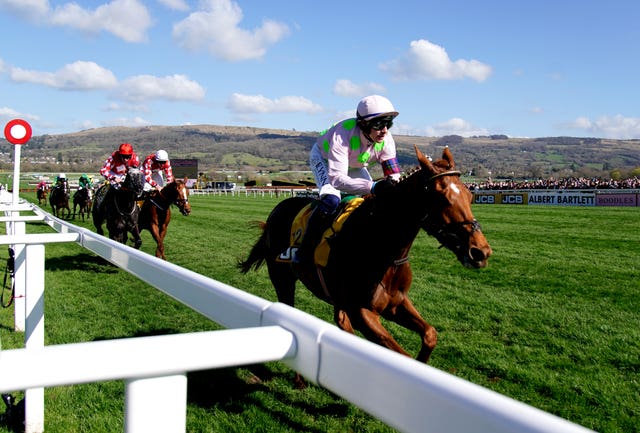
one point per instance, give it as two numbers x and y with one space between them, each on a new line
406 394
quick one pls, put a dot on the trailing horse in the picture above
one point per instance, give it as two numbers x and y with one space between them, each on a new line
82 200
155 213
59 201
42 194
367 274
119 208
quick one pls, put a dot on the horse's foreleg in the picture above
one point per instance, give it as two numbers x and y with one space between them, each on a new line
137 240
407 316
158 237
342 320
368 322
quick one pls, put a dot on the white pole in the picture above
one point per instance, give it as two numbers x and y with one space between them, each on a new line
34 332
156 404
16 174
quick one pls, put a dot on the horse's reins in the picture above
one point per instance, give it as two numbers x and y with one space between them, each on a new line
133 208
179 202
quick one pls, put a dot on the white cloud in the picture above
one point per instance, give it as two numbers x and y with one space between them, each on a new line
126 19
125 121
31 10
618 126
174 88
348 88
428 61
455 126
215 30
115 106
7 113
85 76
178 5
240 103
79 75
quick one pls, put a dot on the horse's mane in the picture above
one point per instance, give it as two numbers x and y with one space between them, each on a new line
441 163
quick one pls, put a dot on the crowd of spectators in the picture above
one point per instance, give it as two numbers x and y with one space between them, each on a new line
552 183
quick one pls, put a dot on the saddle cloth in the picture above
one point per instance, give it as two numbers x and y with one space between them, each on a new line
299 226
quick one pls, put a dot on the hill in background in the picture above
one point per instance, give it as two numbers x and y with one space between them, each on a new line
254 152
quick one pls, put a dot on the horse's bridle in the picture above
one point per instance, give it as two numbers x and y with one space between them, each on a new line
449 235
180 202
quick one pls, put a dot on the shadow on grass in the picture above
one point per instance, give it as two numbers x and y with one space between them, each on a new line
85 261
231 389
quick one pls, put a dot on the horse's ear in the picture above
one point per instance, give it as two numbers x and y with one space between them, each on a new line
447 156
423 159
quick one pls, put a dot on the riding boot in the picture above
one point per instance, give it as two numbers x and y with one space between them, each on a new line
318 222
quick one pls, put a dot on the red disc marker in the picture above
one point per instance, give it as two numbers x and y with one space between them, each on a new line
17 131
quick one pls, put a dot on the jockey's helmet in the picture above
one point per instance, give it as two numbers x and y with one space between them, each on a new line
162 156
374 106
62 176
125 149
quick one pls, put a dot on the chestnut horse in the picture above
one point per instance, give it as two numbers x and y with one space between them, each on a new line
368 275
155 213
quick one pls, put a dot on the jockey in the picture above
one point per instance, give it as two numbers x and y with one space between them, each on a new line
339 161
157 170
85 182
61 182
42 185
116 166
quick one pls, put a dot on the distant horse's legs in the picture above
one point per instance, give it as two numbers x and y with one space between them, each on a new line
408 316
135 232
158 237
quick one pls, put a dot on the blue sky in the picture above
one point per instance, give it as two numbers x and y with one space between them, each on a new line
526 68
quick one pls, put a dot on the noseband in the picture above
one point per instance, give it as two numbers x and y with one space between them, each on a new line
452 234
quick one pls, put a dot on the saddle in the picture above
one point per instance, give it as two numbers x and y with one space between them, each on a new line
322 250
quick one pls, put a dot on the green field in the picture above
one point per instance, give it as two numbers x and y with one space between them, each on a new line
553 321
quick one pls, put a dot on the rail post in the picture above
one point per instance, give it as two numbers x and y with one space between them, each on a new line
34 331
145 398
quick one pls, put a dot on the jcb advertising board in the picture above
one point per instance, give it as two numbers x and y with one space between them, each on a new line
503 197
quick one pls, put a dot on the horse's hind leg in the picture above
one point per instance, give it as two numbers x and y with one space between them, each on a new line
407 315
284 281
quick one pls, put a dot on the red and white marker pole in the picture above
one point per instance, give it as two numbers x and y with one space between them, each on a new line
17 132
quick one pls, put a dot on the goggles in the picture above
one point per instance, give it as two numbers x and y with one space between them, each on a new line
381 123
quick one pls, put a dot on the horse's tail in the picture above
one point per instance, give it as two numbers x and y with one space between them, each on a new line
258 253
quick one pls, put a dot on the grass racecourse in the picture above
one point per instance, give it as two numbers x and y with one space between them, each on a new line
554 321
